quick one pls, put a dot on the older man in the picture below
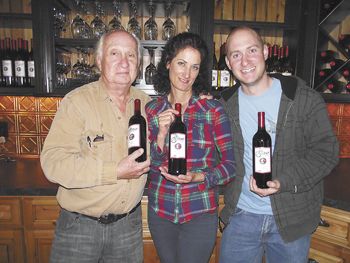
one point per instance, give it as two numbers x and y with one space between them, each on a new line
86 153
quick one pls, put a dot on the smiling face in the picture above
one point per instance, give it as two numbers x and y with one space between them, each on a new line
118 60
184 69
246 57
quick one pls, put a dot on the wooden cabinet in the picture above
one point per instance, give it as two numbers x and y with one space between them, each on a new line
11 231
331 243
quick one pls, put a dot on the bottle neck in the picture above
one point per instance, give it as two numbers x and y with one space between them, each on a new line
137 107
178 108
261 120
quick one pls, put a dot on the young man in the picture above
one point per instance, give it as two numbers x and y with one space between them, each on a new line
86 153
277 221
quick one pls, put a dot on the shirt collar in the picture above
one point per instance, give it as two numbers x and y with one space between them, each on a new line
104 96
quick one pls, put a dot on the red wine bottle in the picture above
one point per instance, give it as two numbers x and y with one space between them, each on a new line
262 154
336 63
31 66
7 65
137 132
327 56
346 73
20 69
335 86
177 145
214 71
347 87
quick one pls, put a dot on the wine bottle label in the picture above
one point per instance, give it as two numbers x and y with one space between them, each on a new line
262 159
178 145
31 69
134 139
7 68
224 78
214 78
20 68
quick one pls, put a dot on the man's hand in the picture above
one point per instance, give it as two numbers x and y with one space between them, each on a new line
274 187
128 168
182 178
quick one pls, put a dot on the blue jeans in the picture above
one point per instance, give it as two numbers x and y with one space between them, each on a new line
248 236
190 242
80 239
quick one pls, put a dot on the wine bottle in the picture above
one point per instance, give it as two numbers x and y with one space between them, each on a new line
7 65
346 73
336 63
177 145
20 71
347 87
327 56
137 132
324 74
2 51
335 86
269 58
31 65
262 154
224 71
344 41
287 68
214 72
274 68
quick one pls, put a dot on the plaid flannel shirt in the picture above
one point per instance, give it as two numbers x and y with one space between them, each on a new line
209 150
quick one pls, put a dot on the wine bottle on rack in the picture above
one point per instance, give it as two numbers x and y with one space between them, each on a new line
344 41
214 72
347 87
336 63
20 70
31 66
2 51
224 71
324 74
287 68
346 73
7 65
177 163
335 86
137 132
268 60
262 154
275 65
327 56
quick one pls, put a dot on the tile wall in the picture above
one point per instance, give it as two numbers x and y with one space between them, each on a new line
29 120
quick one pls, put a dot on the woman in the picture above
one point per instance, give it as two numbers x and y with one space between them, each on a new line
182 210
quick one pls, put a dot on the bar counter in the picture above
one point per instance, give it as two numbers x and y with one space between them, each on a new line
24 177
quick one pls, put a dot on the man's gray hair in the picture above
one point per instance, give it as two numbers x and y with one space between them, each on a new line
99 45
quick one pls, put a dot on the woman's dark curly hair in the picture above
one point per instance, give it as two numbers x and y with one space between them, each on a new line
174 45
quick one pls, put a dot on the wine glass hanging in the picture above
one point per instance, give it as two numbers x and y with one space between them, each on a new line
115 23
151 28
134 27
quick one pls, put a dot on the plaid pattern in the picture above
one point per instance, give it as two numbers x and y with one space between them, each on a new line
209 150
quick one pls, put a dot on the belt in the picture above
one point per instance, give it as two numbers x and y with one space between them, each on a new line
110 218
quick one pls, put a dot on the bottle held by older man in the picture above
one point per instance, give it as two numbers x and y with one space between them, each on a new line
137 132
177 145
262 154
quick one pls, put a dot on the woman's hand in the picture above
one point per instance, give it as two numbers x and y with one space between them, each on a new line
164 121
182 178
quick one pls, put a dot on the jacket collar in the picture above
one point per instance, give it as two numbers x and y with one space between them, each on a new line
289 86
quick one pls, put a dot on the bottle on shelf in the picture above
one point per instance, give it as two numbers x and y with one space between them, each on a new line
214 71
31 66
177 163
7 65
224 72
327 56
137 132
262 154
20 65
275 63
344 42
347 87
2 50
269 58
346 73
336 63
335 86
324 74
286 66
